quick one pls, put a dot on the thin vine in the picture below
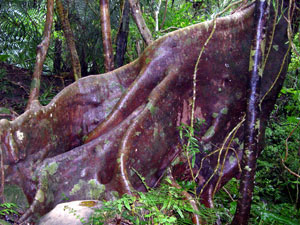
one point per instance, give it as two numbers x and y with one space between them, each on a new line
191 131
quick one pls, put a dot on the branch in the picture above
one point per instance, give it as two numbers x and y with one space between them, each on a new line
140 22
42 49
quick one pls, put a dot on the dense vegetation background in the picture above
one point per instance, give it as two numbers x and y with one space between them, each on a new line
276 194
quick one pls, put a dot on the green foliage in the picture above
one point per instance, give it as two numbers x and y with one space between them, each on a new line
273 181
8 208
293 106
21 31
223 202
295 61
164 205
48 94
3 58
191 146
146 208
281 214
182 15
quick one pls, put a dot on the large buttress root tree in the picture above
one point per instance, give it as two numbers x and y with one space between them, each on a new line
94 136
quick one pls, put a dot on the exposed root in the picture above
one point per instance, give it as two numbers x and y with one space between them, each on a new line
136 95
126 144
30 211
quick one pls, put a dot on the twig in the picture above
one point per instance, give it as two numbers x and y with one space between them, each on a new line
228 193
225 156
290 30
232 132
277 77
283 160
165 13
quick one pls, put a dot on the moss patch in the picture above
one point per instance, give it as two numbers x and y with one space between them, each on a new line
224 111
91 189
40 196
210 132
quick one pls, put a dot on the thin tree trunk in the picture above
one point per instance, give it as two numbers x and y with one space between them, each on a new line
140 22
156 12
165 13
70 39
84 65
122 35
252 126
57 52
106 35
42 49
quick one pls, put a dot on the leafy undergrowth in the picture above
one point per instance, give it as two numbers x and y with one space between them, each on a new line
8 213
164 205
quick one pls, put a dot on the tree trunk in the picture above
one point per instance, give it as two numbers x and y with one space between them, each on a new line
140 22
63 15
42 49
156 12
84 65
106 35
57 52
122 35
252 127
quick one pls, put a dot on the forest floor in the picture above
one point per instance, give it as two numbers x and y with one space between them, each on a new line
15 88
